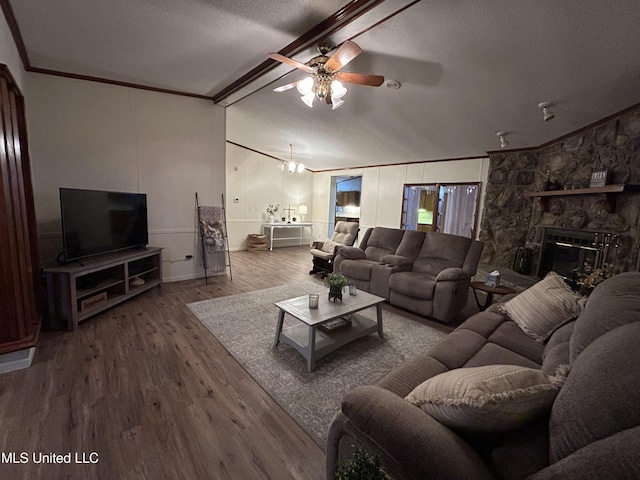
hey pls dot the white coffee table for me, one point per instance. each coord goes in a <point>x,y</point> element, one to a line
<point>313,343</point>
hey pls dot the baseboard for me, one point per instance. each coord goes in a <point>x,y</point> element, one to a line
<point>16,360</point>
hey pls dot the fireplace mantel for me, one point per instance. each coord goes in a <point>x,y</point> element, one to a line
<point>610,192</point>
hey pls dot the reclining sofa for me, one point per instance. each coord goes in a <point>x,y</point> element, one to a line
<point>590,428</point>
<point>426,273</point>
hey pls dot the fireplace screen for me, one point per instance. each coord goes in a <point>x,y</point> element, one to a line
<point>568,252</point>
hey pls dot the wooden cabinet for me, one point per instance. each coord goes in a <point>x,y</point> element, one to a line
<point>79,291</point>
<point>19,281</point>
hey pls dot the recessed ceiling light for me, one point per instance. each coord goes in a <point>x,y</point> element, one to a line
<point>394,84</point>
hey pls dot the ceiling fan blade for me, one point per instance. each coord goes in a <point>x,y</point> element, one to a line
<point>345,53</point>
<point>290,61</point>
<point>283,88</point>
<point>361,79</point>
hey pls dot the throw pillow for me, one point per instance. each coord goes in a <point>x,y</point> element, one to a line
<point>493,398</point>
<point>328,246</point>
<point>544,307</point>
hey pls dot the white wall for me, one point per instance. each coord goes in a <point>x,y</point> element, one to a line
<point>9,55</point>
<point>256,181</point>
<point>106,137</point>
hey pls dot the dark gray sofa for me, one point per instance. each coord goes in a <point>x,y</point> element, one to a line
<point>592,430</point>
<point>426,273</point>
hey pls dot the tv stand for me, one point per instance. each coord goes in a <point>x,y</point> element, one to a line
<point>77,292</point>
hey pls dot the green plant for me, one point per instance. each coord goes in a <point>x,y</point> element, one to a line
<point>271,209</point>
<point>336,279</point>
<point>363,466</point>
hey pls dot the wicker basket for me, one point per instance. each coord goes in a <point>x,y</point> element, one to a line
<point>257,243</point>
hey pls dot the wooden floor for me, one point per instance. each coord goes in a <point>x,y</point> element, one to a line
<point>146,392</point>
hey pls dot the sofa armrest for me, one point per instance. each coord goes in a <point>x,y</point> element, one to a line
<point>410,439</point>
<point>395,260</point>
<point>452,275</point>
<point>611,457</point>
<point>352,253</point>
<point>317,244</point>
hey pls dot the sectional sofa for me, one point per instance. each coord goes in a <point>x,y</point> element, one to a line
<point>524,390</point>
<point>426,273</point>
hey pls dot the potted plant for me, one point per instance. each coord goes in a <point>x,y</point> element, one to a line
<point>363,466</point>
<point>335,282</point>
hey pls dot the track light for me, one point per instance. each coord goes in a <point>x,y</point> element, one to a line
<point>503,141</point>
<point>547,114</point>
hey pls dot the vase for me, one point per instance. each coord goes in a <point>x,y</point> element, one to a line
<point>272,219</point>
<point>335,293</point>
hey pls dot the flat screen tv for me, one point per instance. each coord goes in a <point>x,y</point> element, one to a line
<point>95,222</point>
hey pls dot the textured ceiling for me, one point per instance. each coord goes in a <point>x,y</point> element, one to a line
<point>468,68</point>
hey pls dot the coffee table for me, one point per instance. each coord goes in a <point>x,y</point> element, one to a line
<point>312,342</point>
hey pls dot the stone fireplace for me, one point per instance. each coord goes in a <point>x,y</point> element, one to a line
<point>513,222</point>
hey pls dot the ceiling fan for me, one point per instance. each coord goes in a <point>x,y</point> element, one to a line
<point>325,77</point>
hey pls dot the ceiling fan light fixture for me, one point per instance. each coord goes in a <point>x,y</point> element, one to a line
<point>336,102</point>
<point>337,90</point>
<point>324,73</point>
<point>305,86</point>
<point>308,99</point>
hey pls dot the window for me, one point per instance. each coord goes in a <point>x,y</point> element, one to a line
<point>447,208</point>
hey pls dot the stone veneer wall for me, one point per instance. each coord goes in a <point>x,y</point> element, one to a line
<point>510,220</point>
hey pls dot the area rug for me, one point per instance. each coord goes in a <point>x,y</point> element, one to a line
<point>245,325</point>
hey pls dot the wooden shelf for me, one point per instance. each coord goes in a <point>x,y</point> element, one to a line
<point>610,191</point>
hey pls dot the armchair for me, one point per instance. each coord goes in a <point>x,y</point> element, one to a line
<point>324,253</point>
<point>438,283</point>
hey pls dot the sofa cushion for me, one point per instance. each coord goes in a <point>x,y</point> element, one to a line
<point>612,303</point>
<point>561,335</point>
<point>440,251</point>
<point>544,307</point>
<point>416,285</point>
<point>329,246</point>
<point>358,269</point>
<point>601,395</point>
<point>411,243</point>
<point>492,398</point>
<point>383,241</point>
<point>321,254</point>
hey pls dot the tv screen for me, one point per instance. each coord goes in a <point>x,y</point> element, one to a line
<point>96,222</point>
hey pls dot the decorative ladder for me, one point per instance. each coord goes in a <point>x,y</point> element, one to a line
<point>212,224</point>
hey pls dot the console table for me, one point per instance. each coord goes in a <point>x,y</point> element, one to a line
<point>294,231</point>
<point>78,291</point>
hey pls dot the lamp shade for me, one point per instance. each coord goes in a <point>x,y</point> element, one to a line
<point>302,209</point>
<point>305,85</point>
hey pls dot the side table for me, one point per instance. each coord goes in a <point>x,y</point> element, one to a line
<point>501,290</point>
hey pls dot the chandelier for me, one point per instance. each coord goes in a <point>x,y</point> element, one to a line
<point>290,165</point>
